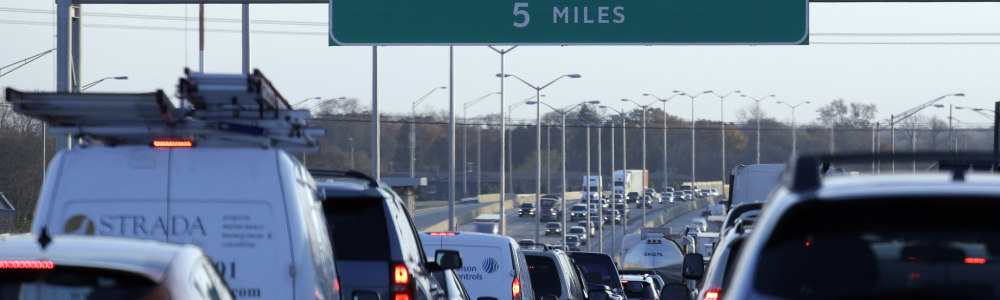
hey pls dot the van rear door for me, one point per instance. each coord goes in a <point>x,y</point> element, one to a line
<point>230,202</point>
<point>106,191</point>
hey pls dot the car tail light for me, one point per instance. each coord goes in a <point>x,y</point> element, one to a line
<point>27,264</point>
<point>712,294</point>
<point>402,282</point>
<point>975,260</point>
<point>172,144</point>
<point>515,288</point>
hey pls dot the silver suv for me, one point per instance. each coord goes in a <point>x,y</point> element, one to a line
<point>380,247</point>
<point>912,235</point>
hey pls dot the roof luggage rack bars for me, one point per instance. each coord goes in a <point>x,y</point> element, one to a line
<point>804,172</point>
<point>227,109</point>
<point>326,173</point>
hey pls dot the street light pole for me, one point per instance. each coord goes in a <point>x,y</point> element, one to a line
<point>562,114</point>
<point>413,132</point>
<point>757,113</point>
<point>645,172</point>
<point>351,141</point>
<point>538,146</point>
<point>503,132</point>
<point>666,181</point>
<point>465,142</point>
<point>722,120</point>
<point>793,120</point>
<point>89,85</point>
<point>692,130</point>
<point>909,113</point>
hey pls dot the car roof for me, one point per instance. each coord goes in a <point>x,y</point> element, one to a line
<point>146,257</point>
<point>929,184</point>
<point>346,188</point>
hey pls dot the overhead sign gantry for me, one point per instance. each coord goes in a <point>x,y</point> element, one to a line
<point>555,22</point>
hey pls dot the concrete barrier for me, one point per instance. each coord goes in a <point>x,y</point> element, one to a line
<point>676,211</point>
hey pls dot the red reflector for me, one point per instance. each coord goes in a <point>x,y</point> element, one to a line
<point>336,284</point>
<point>27,264</point>
<point>401,274</point>
<point>808,243</point>
<point>975,260</point>
<point>172,144</point>
<point>443,233</point>
<point>712,295</point>
<point>912,258</point>
<point>515,287</point>
<point>914,275</point>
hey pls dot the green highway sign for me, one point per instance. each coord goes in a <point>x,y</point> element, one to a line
<point>569,22</point>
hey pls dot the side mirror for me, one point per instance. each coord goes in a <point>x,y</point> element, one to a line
<point>694,266</point>
<point>448,259</point>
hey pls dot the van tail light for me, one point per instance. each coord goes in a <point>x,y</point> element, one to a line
<point>975,260</point>
<point>515,288</point>
<point>27,264</point>
<point>172,144</point>
<point>402,282</point>
<point>712,294</point>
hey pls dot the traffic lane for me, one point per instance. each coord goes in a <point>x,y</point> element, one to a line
<point>430,216</point>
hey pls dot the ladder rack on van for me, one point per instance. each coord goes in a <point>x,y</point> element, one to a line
<point>226,109</point>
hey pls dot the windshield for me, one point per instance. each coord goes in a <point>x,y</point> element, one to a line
<point>552,225</point>
<point>548,202</point>
<point>527,205</point>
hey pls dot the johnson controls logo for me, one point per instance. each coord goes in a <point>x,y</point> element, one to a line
<point>79,224</point>
<point>490,265</point>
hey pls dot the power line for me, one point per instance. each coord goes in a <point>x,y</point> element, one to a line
<point>163,28</point>
<point>168,18</point>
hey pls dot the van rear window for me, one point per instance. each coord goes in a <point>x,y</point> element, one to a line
<point>357,228</point>
<point>544,276</point>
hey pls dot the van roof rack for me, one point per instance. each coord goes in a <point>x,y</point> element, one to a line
<point>225,109</point>
<point>327,173</point>
<point>805,172</point>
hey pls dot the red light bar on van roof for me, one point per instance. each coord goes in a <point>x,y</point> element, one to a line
<point>975,260</point>
<point>27,264</point>
<point>443,233</point>
<point>172,144</point>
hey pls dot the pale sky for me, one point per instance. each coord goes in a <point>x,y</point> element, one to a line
<point>958,47</point>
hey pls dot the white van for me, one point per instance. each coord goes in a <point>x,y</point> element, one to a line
<point>492,265</point>
<point>252,207</point>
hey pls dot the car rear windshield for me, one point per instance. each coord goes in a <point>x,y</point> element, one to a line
<point>544,276</point>
<point>548,202</point>
<point>920,247</point>
<point>76,283</point>
<point>597,268</point>
<point>358,228</point>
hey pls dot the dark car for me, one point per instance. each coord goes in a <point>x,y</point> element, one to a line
<point>550,209</point>
<point>623,209</point>
<point>645,199</point>
<point>353,201</point>
<point>553,228</point>
<point>554,274</point>
<point>598,268</point>
<point>612,216</point>
<point>527,209</point>
<point>633,197</point>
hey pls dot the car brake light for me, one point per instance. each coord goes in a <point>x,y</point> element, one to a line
<point>27,264</point>
<point>443,234</point>
<point>515,288</point>
<point>401,274</point>
<point>172,144</point>
<point>975,260</point>
<point>712,294</point>
<point>402,285</point>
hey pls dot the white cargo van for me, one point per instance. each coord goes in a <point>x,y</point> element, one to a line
<point>492,265</point>
<point>210,176</point>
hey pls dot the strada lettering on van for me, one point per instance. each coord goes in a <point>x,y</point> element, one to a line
<point>136,225</point>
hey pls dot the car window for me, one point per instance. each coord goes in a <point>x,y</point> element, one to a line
<point>544,276</point>
<point>77,283</point>
<point>410,245</point>
<point>358,221</point>
<point>892,248</point>
<point>598,269</point>
<point>206,281</point>
<point>548,202</point>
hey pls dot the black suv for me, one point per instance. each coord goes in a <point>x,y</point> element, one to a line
<point>527,209</point>
<point>380,246</point>
<point>633,197</point>
<point>598,268</point>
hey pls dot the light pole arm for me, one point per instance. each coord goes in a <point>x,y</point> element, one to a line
<point>522,80</point>
<point>909,113</point>
<point>415,103</point>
